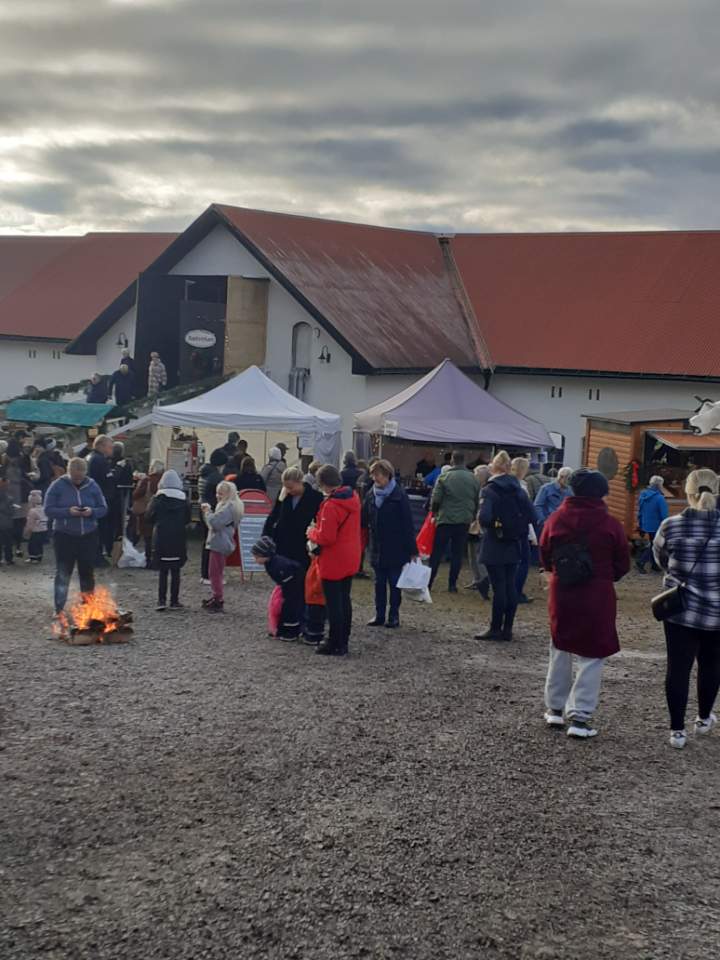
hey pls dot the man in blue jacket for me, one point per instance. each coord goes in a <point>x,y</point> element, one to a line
<point>74,503</point>
<point>652,510</point>
<point>551,495</point>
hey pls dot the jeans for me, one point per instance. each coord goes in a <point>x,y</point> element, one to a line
<point>479,570</point>
<point>454,534</point>
<point>646,555</point>
<point>503,577</point>
<point>69,551</point>
<point>579,700</point>
<point>171,567</point>
<point>387,577</point>
<point>338,604</point>
<point>217,573</point>
<point>524,567</point>
<point>685,645</point>
<point>6,545</point>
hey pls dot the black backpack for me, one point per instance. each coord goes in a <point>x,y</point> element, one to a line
<point>511,515</point>
<point>572,563</point>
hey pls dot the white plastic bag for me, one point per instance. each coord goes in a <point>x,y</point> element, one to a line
<point>420,596</point>
<point>414,576</point>
<point>131,556</point>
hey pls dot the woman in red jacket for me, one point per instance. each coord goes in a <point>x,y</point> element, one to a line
<point>581,542</point>
<point>336,532</point>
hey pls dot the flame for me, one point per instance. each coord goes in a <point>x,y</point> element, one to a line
<point>98,606</point>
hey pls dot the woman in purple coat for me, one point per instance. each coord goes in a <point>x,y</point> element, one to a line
<point>585,551</point>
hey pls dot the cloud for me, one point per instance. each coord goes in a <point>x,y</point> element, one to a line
<point>504,115</point>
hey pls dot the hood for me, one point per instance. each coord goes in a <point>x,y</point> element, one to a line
<point>345,498</point>
<point>171,485</point>
<point>67,480</point>
<point>173,504</point>
<point>649,494</point>
<point>505,482</point>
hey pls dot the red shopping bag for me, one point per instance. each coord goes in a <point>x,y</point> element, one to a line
<point>426,538</point>
<point>313,585</point>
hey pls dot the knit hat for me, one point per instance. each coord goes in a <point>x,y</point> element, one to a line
<point>275,454</point>
<point>589,483</point>
<point>265,547</point>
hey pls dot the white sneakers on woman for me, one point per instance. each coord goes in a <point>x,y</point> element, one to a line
<point>678,738</point>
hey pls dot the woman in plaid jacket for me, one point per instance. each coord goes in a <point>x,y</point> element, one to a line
<point>687,548</point>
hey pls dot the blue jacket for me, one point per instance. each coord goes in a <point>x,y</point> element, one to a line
<point>549,498</point>
<point>652,510</point>
<point>63,494</point>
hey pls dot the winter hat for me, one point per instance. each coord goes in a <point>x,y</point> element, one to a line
<point>171,485</point>
<point>589,483</point>
<point>265,547</point>
<point>275,453</point>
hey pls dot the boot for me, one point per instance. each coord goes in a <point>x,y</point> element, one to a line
<point>507,628</point>
<point>376,621</point>
<point>326,648</point>
<point>483,588</point>
<point>393,623</point>
<point>492,634</point>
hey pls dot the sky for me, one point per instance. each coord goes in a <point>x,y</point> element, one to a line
<point>464,115</point>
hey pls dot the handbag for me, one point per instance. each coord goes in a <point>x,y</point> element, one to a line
<point>672,601</point>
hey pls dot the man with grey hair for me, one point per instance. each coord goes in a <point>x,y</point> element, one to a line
<point>551,495</point>
<point>652,510</point>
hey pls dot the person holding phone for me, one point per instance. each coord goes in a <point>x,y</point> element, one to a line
<point>74,503</point>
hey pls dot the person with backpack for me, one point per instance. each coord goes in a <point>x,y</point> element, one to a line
<point>584,551</point>
<point>454,504</point>
<point>505,515</point>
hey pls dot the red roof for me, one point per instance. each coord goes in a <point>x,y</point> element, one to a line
<point>387,292</point>
<point>643,303</point>
<point>53,287</point>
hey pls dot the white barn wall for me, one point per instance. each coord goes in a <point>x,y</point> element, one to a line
<point>107,358</point>
<point>18,369</point>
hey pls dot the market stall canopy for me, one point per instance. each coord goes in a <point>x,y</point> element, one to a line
<point>447,407</point>
<point>57,414</point>
<point>686,440</point>
<point>252,401</point>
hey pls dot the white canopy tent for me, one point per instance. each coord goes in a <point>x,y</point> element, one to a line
<point>251,402</point>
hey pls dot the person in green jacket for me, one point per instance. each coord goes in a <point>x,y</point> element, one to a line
<point>454,505</point>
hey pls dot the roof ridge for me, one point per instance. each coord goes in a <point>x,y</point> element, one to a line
<point>303,216</point>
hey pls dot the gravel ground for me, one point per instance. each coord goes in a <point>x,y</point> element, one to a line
<point>205,792</point>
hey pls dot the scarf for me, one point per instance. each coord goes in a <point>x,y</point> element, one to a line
<point>382,493</point>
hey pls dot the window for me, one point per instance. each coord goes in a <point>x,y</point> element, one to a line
<point>597,394</point>
<point>556,391</point>
<point>57,354</point>
<point>301,352</point>
<point>32,353</point>
<point>590,394</point>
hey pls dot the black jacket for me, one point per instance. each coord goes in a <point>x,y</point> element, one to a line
<point>493,550</point>
<point>210,477</point>
<point>249,481</point>
<point>100,469</point>
<point>97,392</point>
<point>287,526</point>
<point>124,387</point>
<point>169,518</point>
<point>392,532</point>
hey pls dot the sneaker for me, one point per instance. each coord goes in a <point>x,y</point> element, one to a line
<point>704,727</point>
<point>177,606</point>
<point>204,581</point>
<point>554,718</point>
<point>160,607</point>
<point>582,729</point>
<point>525,599</point>
<point>489,635</point>
<point>678,739</point>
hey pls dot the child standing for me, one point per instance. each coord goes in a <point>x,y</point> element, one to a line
<point>222,522</point>
<point>289,575</point>
<point>168,513</point>
<point>36,526</point>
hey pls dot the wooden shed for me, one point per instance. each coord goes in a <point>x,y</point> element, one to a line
<point>631,446</point>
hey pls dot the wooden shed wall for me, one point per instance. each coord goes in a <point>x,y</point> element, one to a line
<point>621,502</point>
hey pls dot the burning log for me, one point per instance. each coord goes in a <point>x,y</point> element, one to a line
<point>94,618</point>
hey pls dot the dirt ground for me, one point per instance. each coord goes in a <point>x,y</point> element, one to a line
<point>205,792</point>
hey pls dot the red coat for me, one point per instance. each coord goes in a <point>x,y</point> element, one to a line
<point>337,532</point>
<point>582,618</point>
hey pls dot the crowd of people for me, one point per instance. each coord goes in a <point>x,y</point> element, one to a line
<point>323,521</point>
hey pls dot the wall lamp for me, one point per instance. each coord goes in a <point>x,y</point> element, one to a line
<point>122,340</point>
<point>324,355</point>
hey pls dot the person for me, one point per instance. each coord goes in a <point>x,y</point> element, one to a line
<point>272,473</point>
<point>36,526</point>
<point>351,474</point>
<point>74,503</point>
<point>6,522</point>
<point>387,517</point>
<point>210,476</point>
<point>505,513</point>
<point>652,510</point>
<point>480,580</point>
<point>289,575</point>
<point>230,447</point>
<point>581,532</point>
<point>434,475</point>
<point>50,465</point>
<point>248,478</point>
<point>123,483</point>
<point>145,489</point>
<point>128,361</point>
<point>519,469</point>
<point>454,504</point>
<point>96,391</point>
<point>535,480</point>
<point>552,494</point>
<point>687,548</point>
<point>311,475</point>
<point>295,509</point>
<point>168,514</point>
<point>122,383</point>
<point>337,532</point>
<point>157,375</point>
<point>222,524</point>
<point>425,465</point>
<point>18,467</point>
<point>283,448</point>
<point>100,469</point>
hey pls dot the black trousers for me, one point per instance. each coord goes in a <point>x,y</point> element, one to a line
<point>6,545</point>
<point>685,645</point>
<point>338,605</point>
<point>455,535</point>
<point>68,552</point>
<point>171,568</point>
<point>36,542</point>
<point>503,579</point>
<point>387,577</point>
<point>17,532</point>
<point>105,538</point>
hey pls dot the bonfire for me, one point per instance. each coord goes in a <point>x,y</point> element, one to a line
<point>93,618</point>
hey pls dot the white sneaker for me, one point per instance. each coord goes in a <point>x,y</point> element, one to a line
<point>582,729</point>
<point>204,582</point>
<point>705,726</point>
<point>554,718</point>
<point>678,739</point>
